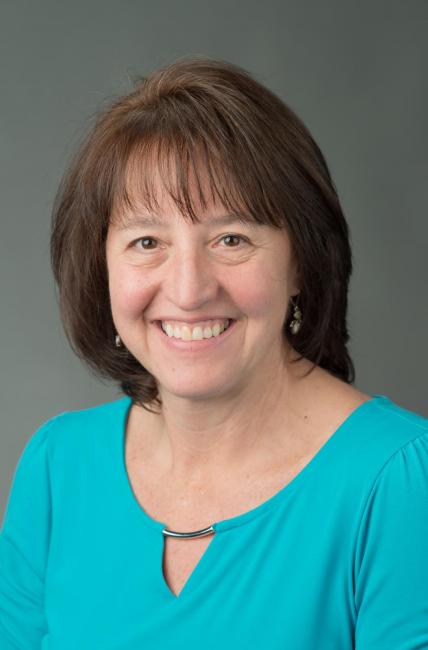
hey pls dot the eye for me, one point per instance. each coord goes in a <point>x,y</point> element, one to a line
<point>230,236</point>
<point>142,239</point>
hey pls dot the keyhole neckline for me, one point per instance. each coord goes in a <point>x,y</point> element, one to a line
<point>317,459</point>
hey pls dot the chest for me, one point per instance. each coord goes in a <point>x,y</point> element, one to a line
<point>191,510</point>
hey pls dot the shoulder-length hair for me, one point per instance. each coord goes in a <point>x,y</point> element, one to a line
<point>258,154</point>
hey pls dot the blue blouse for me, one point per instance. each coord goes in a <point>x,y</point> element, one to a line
<point>336,560</point>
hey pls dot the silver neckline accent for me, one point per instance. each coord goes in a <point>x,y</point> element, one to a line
<point>196,533</point>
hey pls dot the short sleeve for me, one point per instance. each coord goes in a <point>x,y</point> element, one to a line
<point>391,569</point>
<point>24,542</point>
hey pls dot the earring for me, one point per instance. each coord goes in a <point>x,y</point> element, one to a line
<point>297,318</point>
<point>118,342</point>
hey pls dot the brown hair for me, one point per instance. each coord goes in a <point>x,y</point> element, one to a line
<point>258,154</point>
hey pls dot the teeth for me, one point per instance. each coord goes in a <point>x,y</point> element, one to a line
<point>187,333</point>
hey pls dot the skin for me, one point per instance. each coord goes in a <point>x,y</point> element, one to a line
<point>242,405</point>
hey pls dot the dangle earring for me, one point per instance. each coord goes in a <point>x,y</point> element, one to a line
<point>118,342</point>
<point>297,318</point>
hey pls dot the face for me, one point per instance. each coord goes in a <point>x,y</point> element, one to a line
<point>183,271</point>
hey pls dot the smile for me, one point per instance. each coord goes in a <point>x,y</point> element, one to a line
<point>215,340</point>
<point>196,332</point>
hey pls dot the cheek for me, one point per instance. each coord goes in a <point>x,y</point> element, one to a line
<point>128,293</point>
<point>262,292</point>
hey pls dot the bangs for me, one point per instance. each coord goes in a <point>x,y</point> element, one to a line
<point>192,174</point>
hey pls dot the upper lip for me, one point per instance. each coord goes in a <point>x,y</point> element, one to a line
<point>193,320</point>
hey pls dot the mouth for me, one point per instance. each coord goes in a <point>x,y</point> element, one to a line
<point>196,345</point>
<point>231,321</point>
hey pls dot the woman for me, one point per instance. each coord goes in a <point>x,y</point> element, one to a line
<point>241,492</point>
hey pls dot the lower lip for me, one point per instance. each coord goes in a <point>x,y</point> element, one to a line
<point>198,345</point>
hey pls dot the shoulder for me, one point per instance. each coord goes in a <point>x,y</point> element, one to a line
<point>387,455</point>
<point>94,414</point>
<point>77,428</point>
<point>68,446</point>
<point>404,434</point>
<point>389,427</point>
<point>398,490</point>
<point>376,424</point>
<point>370,431</point>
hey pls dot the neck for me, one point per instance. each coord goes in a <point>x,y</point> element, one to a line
<point>194,442</point>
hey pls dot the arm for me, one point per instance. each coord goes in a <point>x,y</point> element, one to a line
<point>391,568</point>
<point>24,543</point>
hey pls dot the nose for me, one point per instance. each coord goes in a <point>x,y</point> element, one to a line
<point>190,279</point>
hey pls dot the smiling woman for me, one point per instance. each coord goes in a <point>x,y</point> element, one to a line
<point>240,484</point>
<point>200,134</point>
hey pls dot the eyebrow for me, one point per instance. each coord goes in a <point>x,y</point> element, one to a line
<point>153,220</point>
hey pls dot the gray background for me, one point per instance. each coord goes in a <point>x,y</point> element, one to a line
<point>354,72</point>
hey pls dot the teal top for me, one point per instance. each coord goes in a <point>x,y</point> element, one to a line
<point>337,559</point>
